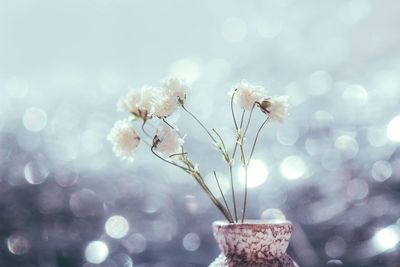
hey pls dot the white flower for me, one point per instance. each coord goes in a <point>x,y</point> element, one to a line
<point>124,139</point>
<point>175,88</point>
<point>148,95</point>
<point>278,108</point>
<point>129,102</point>
<point>164,107</point>
<point>167,141</point>
<point>138,102</point>
<point>246,94</point>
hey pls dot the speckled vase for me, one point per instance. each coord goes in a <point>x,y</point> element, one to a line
<point>255,243</point>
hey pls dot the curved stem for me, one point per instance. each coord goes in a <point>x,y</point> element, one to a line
<point>222,194</point>
<point>201,124</point>
<point>144,130</point>
<point>167,161</point>
<point>249,119</point>
<point>232,111</point>
<point>246,167</point>
<point>165,121</point>
<point>256,138</point>
<point>238,135</point>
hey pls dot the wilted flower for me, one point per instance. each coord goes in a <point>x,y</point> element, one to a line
<point>246,94</point>
<point>124,139</point>
<point>167,141</point>
<point>275,107</point>
<point>175,88</point>
<point>138,103</point>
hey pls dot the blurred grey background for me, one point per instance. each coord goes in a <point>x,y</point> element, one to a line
<point>333,168</point>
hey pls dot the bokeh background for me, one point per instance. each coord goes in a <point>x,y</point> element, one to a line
<point>333,167</point>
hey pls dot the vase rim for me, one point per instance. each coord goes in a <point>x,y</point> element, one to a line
<point>254,222</point>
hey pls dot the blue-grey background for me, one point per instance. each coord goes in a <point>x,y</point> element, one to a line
<point>333,167</point>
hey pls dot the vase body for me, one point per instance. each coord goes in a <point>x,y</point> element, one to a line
<point>253,244</point>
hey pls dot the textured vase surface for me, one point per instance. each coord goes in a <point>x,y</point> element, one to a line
<point>255,243</point>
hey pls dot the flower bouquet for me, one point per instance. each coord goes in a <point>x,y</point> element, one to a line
<point>150,105</point>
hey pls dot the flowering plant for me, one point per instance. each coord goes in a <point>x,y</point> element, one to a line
<point>166,143</point>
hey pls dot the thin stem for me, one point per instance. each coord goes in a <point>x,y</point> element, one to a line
<point>178,154</point>
<point>144,130</point>
<point>223,148</point>
<point>200,180</point>
<point>201,124</point>
<point>170,162</point>
<point>239,134</point>
<point>216,202</point>
<point>248,121</point>
<point>246,167</point>
<point>245,194</point>
<point>222,194</point>
<point>165,121</point>
<point>232,111</point>
<point>256,138</point>
<point>233,192</point>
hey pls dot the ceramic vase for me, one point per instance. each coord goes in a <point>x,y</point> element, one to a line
<point>254,243</point>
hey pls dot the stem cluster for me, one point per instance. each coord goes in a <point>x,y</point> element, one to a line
<point>181,161</point>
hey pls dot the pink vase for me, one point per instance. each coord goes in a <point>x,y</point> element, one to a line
<point>255,243</point>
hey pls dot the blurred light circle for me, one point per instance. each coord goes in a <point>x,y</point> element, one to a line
<point>293,167</point>
<point>34,119</point>
<point>234,29</point>
<point>323,119</point>
<point>317,145</point>
<point>257,174</point>
<point>152,204</point>
<point>96,252</point>
<point>84,203</point>
<point>335,247</point>
<point>66,177</point>
<point>333,263</point>
<point>381,170</point>
<point>117,227</point>
<point>135,243</point>
<point>123,260</point>
<point>393,129</point>
<point>377,136</point>
<point>287,134</point>
<point>319,82</point>
<point>357,189</point>
<point>191,242</point>
<point>386,238</point>
<point>347,145</point>
<point>35,172</point>
<point>187,69</point>
<point>355,95</point>
<point>18,244</point>
<point>273,214</point>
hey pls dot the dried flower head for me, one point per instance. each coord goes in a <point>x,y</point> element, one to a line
<point>164,106</point>
<point>138,102</point>
<point>167,141</point>
<point>175,88</point>
<point>246,94</point>
<point>275,107</point>
<point>124,139</point>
